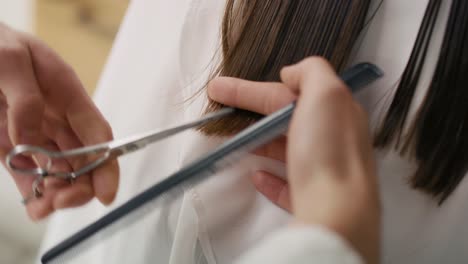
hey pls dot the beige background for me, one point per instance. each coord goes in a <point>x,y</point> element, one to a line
<point>81,31</point>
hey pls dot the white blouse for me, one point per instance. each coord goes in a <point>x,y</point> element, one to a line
<point>162,56</point>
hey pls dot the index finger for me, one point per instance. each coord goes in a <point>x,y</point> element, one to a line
<point>260,97</point>
<point>19,89</point>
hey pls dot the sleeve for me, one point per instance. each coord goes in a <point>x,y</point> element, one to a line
<point>301,245</point>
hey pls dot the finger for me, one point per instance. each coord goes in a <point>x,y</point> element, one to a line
<point>58,165</point>
<point>274,188</point>
<point>76,194</point>
<point>37,209</point>
<point>275,150</point>
<point>64,139</point>
<point>311,75</point>
<point>22,94</point>
<point>41,207</point>
<point>23,182</point>
<point>105,179</point>
<point>56,183</point>
<point>58,82</point>
<point>67,96</point>
<point>263,98</point>
<point>81,190</point>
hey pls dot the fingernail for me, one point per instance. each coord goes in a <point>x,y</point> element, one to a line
<point>219,88</point>
<point>106,186</point>
<point>107,194</point>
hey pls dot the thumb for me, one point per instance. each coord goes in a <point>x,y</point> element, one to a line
<point>313,68</point>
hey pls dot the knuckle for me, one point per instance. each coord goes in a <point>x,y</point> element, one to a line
<point>275,99</point>
<point>335,93</point>
<point>48,61</point>
<point>33,102</point>
<point>280,99</point>
<point>11,45</point>
<point>315,61</point>
<point>13,50</point>
<point>269,103</point>
<point>235,94</point>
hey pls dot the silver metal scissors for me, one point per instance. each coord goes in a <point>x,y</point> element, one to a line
<point>104,151</point>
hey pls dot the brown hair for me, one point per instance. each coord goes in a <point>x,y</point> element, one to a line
<point>262,36</point>
<point>438,137</point>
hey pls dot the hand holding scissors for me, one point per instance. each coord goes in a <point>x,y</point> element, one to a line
<point>42,102</point>
<point>103,153</point>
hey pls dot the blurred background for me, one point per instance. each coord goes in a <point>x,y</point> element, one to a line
<point>82,32</point>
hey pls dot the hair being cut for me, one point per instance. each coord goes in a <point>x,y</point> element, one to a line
<point>260,37</point>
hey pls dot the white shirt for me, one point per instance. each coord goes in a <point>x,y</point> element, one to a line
<point>161,57</point>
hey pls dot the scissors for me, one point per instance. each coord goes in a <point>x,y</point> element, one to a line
<point>104,151</point>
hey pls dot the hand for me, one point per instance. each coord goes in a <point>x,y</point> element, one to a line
<point>43,103</point>
<point>264,98</point>
<point>331,170</point>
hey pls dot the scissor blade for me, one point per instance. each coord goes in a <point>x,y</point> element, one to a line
<point>127,145</point>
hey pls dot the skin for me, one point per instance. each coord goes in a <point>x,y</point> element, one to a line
<point>323,163</point>
<point>42,102</point>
